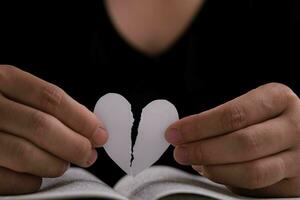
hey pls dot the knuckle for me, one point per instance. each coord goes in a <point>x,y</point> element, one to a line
<point>199,153</point>
<point>51,98</point>
<point>5,72</point>
<point>82,152</point>
<point>282,167</point>
<point>39,123</point>
<point>255,176</point>
<point>279,87</point>
<point>294,123</point>
<point>21,152</point>
<point>248,143</point>
<point>234,117</point>
<point>7,68</point>
<point>280,95</point>
<point>194,153</point>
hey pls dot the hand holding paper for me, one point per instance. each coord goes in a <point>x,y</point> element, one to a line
<point>37,118</point>
<point>251,144</point>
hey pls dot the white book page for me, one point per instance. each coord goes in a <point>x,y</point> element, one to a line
<point>161,182</point>
<point>75,183</point>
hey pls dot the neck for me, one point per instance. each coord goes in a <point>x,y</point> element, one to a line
<point>152,25</point>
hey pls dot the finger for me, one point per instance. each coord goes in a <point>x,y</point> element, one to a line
<point>286,188</point>
<point>256,106</point>
<point>18,183</point>
<point>21,156</point>
<point>255,174</point>
<point>30,90</point>
<point>253,142</point>
<point>46,132</point>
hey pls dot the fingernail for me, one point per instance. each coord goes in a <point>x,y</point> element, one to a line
<point>173,136</point>
<point>199,169</point>
<point>99,137</point>
<point>93,157</point>
<point>181,155</point>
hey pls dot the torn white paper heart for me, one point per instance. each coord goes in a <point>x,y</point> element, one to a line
<point>115,112</point>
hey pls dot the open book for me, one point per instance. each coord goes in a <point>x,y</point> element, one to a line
<point>157,182</point>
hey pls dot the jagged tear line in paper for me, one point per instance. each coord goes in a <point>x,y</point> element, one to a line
<point>132,143</point>
<point>134,130</point>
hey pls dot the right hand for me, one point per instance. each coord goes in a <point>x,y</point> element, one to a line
<point>42,131</point>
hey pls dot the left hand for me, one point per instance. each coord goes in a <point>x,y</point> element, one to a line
<point>251,144</point>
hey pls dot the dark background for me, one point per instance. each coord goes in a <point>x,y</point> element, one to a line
<point>231,47</point>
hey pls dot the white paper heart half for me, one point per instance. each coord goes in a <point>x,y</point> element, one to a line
<point>115,112</point>
<point>150,142</point>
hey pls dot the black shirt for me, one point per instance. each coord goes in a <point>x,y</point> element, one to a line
<point>231,47</point>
